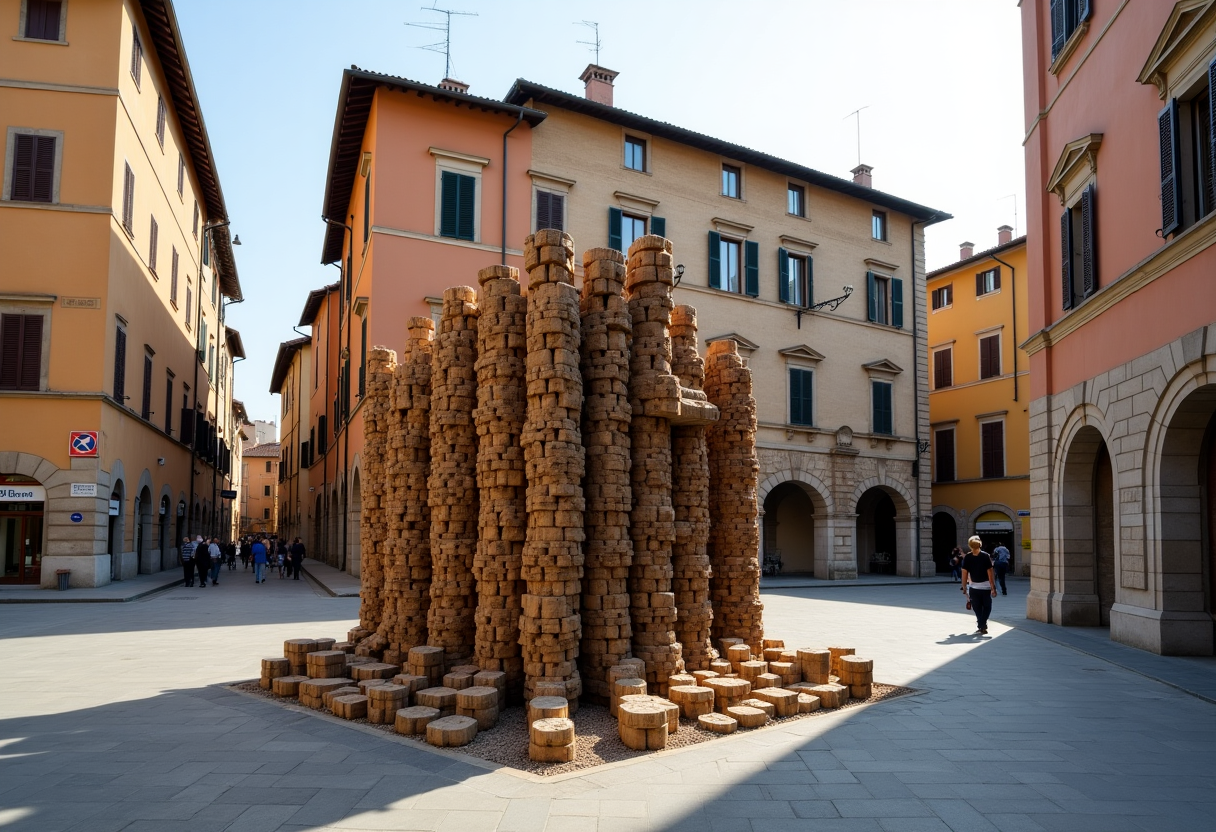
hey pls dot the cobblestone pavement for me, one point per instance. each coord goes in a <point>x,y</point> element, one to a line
<point>113,717</point>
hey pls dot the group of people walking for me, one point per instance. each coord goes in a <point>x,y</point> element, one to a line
<point>205,558</point>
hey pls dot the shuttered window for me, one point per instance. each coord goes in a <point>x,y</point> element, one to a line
<point>42,19</point>
<point>33,174</point>
<point>195,221</point>
<point>161,113</point>
<point>457,205</point>
<point>751,269</point>
<point>884,300</point>
<point>943,455</point>
<point>801,396</point>
<point>169,404</point>
<point>120,365</point>
<point>882,416</point>
<point>145,404</point>
<point>943,368</point>
<point>128,200</point>
<point>988,281</point>
<point>181,174</point>
<point>137,59</point>
<point>1066,16</point>
<point>173,278</point>
<point>153,241</point>
<point>189,303</point>
<point>990,356</point>
<point>992,449</point>
<point>550,210</point>
<point>943,296</point>
<point>1089,263</point>
<point>20,352</point>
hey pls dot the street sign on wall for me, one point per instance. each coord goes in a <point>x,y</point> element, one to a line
<point>82,443</point>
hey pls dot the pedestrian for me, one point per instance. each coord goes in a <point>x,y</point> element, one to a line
<point>230,553</point>
<point>202,559</point>
<point>281,557</point>
<point>217,560</point>
<point>956,564</point>
<point>187,556</point>
<point>297,557</point>
<point>978,583</point>
<point>1002,565</point>
<point>246,552</point>
<point>258,550</point>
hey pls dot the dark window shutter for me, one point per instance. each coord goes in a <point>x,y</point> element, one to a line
<point>187,436</point>
<point>448,204</point>
<point>557,211</point>
<point>23,167</point>
<point>128,199</point>
<point>468,193</point>
<point>871,297</point>
<point>658,226</point>
<point>189,301</point>
<point>160,120</point>
<point>1059,26</point>
<point>145,409</point>
<point>1089,265</point>
<point>881,391</point>
<point>1066,257</point>
<point>795,397</point>
<point>996,278</point>
<point>809,298</point>
<point>783,272</point>
<point>1171,186</point>
<point>944,452</point>
<point>169,405</point>
<point>363,360</point>
<point>615,216</point>
<point>181,173</point>
<point>979,284</point>
<point>897,303</point>
<point>751,286</point>
<point>367,207</point>
<point>44,169</point>
<point>544,213</point>
<point>120,365</point>
<point>153,239</point>
<point>20,352</point>
<point>943,375</point>
<point>173,278</point>
<point>137,63</point>
<point>993,452</point>
<point>1084,9</point>
<point>1210,150</point>
<point>715,260</point>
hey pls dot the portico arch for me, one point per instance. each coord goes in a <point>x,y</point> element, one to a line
<point>885,525</point>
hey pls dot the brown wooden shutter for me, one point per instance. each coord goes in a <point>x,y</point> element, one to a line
<point>10,351</point>
<point>942,369</point>
<point>120,365</point>
<point>542,210</point>
<point>943,449</point>
<point>145,409</point>
<point>173,278</point>
<point>31,352</point>
<point>128,199</point>
<point>137,63</point>
<point>1089,265</point>
<point>153,239</point>
<point>169,405</point>
<point>23,167</point>
<point>44,169</point>
<point>20,352</point>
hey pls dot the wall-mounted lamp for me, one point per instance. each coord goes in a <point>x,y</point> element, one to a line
<point>160,460</point>
<point>345,353</point>
<point>236,241</point>
<point>679,273</point>
<point>831,305</point>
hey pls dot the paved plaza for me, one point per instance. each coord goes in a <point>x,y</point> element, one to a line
<point>114,717</point>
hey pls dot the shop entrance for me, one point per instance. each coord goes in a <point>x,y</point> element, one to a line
<point>21,542</point>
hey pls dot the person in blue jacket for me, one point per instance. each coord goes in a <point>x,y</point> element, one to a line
<point>259,562</point>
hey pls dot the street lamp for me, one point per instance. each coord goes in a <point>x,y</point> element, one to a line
<point>831,305</point>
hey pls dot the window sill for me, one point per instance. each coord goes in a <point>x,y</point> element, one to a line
<point>40,40</point>
<point>988,294</point>
<point>635,170</point>
<point>802,217</point>
<point>942,308</point>
<point>884,242</point>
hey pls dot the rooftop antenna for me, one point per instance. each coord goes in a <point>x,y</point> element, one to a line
<point>594,44</point>
<point>1015,211</point>
<point>857,113</point>
<point>444,47</point>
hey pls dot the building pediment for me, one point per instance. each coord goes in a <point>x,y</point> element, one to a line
<point>1078,163</point>
<point>1187,33</point>
<point>801,351</point>
<point>883,367</point>
<point>745,345</point>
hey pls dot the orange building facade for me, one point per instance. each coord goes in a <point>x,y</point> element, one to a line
<point>1120,169</point>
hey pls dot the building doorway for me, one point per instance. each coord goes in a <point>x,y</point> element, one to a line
<point>995,529</point>
<point>876,534</point>
<point>21,542</point>
<point>945,538</point>
<point>789,529</point>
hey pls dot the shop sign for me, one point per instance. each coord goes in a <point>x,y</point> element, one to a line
<point>993,526</point>
<point>1022,512</point>
<point>228,494</point>
<point>84,489</point>
<point>83,443</point>
<point>21,493</point>
<point>80,303</point>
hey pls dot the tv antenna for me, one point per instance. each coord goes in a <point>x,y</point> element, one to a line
<point>444,47</point>
<point>1015,210</point>
<point>857,113</point>
<point>594,44</point>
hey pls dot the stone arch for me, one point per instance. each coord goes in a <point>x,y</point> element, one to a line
<point>1011,541</point>
<point>816,489</point>
<point>894,487</point>
<point>166,511</point>
<point>335,537</point>
<point>142,533</point>
<point>884,520</point>
<point>353,518</point>
<point>116,527</point>
<point>945,537</point>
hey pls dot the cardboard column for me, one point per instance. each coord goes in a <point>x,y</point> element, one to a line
<point>373,536</point>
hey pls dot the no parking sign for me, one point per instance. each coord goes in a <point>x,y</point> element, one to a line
<point>82,443</point>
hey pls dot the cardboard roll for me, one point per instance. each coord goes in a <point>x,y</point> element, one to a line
<point>325,643</point>
<point>299,646</point>
<point>411,682</point>
<point>477,698</point>
<point>702,675</point>
<point>671,709</point>
<point>287,685</point>
<point>643,739</point>
<point>836,653</point>
<point>807,703</point>
<point>747,717</point>
<point>830,696</point>
<point>548,707</point>
<point>275,667</point>
<point>728,689</point>
<point>443,698</point>
<point>767,707</point>
<point>681,679</point>
<point>426,656</point>
<point>718,723</point>
<point>383,695</point>
<point>364,684</point>
<point>486,718</point>
<point>788,671</point>
<point>317,688</point>
<point>773,654</point>
<point>451,731</point>
<point>328,696</point>
<point>551,731</point>
<point>750,670</point>
<point>349,706</point>
<point>458,680</point>
<point>721,667</point>
<point>551,753</point>
<point>862,691</point>
<point>785,701</point>
<point>627,669</point>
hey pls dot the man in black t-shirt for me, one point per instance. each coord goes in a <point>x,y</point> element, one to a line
<point>978,583</point>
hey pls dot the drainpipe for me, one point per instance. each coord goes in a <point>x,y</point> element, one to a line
<point>1013,281</point>
<point>518,119</point>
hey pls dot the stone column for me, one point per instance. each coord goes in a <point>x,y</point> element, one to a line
<point>407,585</point>
<point>654,395</point>
<point>734,542</point>
<point>373,537</point>
<point>551,628</point>
<point>501,482</point>
<point>690,499</point>
<point>452,487</point>
<point>607,331</point>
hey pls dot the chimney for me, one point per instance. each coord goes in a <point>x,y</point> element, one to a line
<point>452,85</point>
<point>965,250</point>
<point>599,83</point>
<point>862,175</point>
<point>1004,234</point>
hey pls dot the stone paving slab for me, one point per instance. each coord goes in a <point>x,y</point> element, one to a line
<point>1013,732</point>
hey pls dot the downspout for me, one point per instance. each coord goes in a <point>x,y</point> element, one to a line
<point>519,119</point>
<point>1013,280</point>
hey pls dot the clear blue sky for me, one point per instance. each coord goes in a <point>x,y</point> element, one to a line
<point>941,81</point>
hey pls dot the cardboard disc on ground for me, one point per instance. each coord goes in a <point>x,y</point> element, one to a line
<point>718,723</point>
<point>414,720</point>
<point>747,717</point>
<point>451,731</point>
<point>552,732</point>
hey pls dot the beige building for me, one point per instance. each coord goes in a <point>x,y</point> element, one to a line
<point>116,370</point>
<point>290,380</point>
<point>820,281</point>
<point>260,494</point>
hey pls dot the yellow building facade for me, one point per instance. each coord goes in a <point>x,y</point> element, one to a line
<point>116,375</point>
<point>978,401</point>
<point>260,491</point>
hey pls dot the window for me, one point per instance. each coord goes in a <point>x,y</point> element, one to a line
<point>43,20</point>
<point>631,228</point>
<point>206,252</point>
<point>624,228</point>
<point>1078,264</point>
<point>457,212</point>
<point>943,297</point>
<point>881,415</point>
<point>550,210</point>
<point>1188,168</point>
<point>195,223</point>
<point>795,200</point>
<point>635,153</point>
<point>33,175</point>
<point>1066,17</point>
<point>801,390</point>
<point>795,274</point>
<point>189,300</point>
<point>120,364</point>
<point>128,200</point>
<point>145,401</point>
<point>943,368</point>
<point>990,356</point>
<point>992,449</point>
<point>878,225</point>
<point>160,120</point>
<point>885,300</point>
<point>169,402</point>
<point>21,352</point>
<point>181,180</point>
<point>987,282</point>
<point>268,471</point>
<point>137,58</point>
<point>153,239</point>
<point>731,177</point>
<point>943,455</point>
<point>173,279</point>
<point>266,513</point>
<point>266,488</point>
<point>734,265</point>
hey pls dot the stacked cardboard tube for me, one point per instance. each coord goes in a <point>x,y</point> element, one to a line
<point>373,538</point>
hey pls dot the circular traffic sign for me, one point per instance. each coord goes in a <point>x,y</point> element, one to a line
<point>77,517</point>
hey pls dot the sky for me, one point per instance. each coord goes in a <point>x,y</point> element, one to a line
<point>939,81</point>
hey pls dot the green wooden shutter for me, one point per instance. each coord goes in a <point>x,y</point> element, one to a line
<point>795,397</point>
<point>1059,27</point>
<point>658,226</point>
<point>468,202</point>
<point>1171,185</point>
<point>542,210</point>
<point>809,300</point>
<point>1066,257</point>
<point>897,303</point>
<point>614,228</point>
<point>882,407</point>
<point>1089,266</point>
<point>715,260</point>
<point>871,297</point>
<point>448,200</point>
<point>751,285</point>
<point>783,270</point>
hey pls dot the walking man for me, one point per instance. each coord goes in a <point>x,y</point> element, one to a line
<point>297,557</point>
<point>202,559</point>
<point>187,554</point>
<point>1002,565</point>
<point>217,560</point>
<point>259,562</point>
<point>978,583</point>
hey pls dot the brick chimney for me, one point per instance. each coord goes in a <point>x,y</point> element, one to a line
<point>1004,234</point>
<point>599,83</point>
<point>965,250</point>
<point>452,85</point>
<point>863,176</point>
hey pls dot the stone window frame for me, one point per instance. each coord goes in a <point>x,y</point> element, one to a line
<point>63,26</point>
<point>647,151</point>
<point>806,358</point>
<point>991,418</point>
<point>938,428</point>
<point>980,335</point>
<point>883,370</point>
<point>551,184</point>
<point>740,169</point>
<point>465,164</point>
<point>19,303</point>
<point>10,141</point>
<point>947,346</point>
